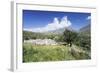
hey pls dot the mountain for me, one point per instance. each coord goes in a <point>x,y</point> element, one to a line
<point>86,30</point>
<point>60,31</point>
<point>57,31</point>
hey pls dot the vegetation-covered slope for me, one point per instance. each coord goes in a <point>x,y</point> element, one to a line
<point>73,46</point>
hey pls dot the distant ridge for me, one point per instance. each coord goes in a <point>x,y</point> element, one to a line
<point>86,28</point>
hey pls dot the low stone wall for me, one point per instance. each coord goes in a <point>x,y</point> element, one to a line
<point>41,41</point>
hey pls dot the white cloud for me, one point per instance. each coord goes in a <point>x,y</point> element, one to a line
<point>56,24</point>
<point>88,18</point>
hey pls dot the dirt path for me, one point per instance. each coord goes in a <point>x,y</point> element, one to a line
<point>77,49</point>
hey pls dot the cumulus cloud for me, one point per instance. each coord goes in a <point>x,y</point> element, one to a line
<point>56,24</point>
<point>88,18</point>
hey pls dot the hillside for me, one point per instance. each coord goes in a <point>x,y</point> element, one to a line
<point>86,29</point>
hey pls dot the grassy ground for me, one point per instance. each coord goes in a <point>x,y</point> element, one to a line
<point>38,53</point>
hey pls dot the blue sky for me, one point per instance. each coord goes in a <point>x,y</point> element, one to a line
<point>45,20</point>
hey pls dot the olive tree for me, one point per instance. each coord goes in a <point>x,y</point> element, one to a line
<point>69,36</point>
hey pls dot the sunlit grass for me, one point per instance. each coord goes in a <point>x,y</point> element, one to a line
<point>35,53</point>
<point>38,53</point>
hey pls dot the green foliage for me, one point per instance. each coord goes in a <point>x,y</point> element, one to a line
<point>38,53</point>
<point>32,35</point>
<point>60,52</point>
<point>80,39</point>
<point>58,38</point>
<point>84,41</point>
<point>79,53</point>
<point>69,36</point>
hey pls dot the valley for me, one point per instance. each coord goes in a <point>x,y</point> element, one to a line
<point>58,45</point>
